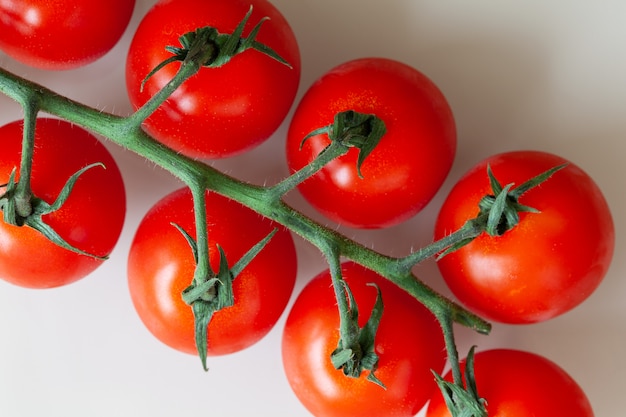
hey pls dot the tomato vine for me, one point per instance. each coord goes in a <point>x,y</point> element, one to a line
<point>198,176</point>
<point>498,212</point>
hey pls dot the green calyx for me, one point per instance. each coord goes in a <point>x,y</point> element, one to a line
<point>502,208</point>
<point>24,209</point>
<point>211,291</point>
<point>463,401</point>
<point>210,48</point>
<point>353,129</point>
<point>349,129</point>
<point>355,351</point>
<point>499,212</point>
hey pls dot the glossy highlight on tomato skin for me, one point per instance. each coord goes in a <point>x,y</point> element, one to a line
<point>90,221</point>
<point>62,34</point>
<point>409,344</point>
<point>161,266</point>
<point>219,112</point>
<point>521,384</point>
<point>409,164</point>
<point>545,266</point>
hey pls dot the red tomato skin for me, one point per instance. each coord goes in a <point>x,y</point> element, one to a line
<point>409,164</point>
<point>161,266</point>
<point>521,384</point>
<point>223,111</point>
<point>550,262</point>
<point>61,34</point>
<point>409,344</point>
<point>91,219</point>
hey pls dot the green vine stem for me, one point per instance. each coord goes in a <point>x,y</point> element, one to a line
<point>23,192</point>
<point>205,47</point>
<point>349,130</point>
<point>332,151</point>
<point>261,199</point>
<point>127,133</point>
<point>355,350</point>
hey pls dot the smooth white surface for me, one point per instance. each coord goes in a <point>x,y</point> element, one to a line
<point>533,74</point>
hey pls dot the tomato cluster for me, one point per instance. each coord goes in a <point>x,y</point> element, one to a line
<point>542,267</point>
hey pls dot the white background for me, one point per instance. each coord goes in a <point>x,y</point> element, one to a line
<point>546,75</point>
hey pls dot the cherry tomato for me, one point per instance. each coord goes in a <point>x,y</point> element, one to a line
<point>547,264</point>
<point>521,384</point>
<point>161,266</point>
<point>220,111</point>
<point>61,34</point>
<point>410,162</point>
<point>409,344</point>
<point>90,220</point>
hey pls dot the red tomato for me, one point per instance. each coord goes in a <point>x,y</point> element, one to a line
<point>521,384</point>
<point>409,344</point>
<point>220,111</point>
<point>61,34</point>
<point>161,266</point>
<point>546,265</point>
<point>91,219</point>
<point>409,164</point>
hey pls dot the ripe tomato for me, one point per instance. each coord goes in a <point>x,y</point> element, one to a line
<point>546,265</point>
<point>521,384</point>
<point>409,164</point>
<point>61,34</point>
<point>91,219</point>
<point>161,266</point>
<point>409,344</point>
<point>220,111</point>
